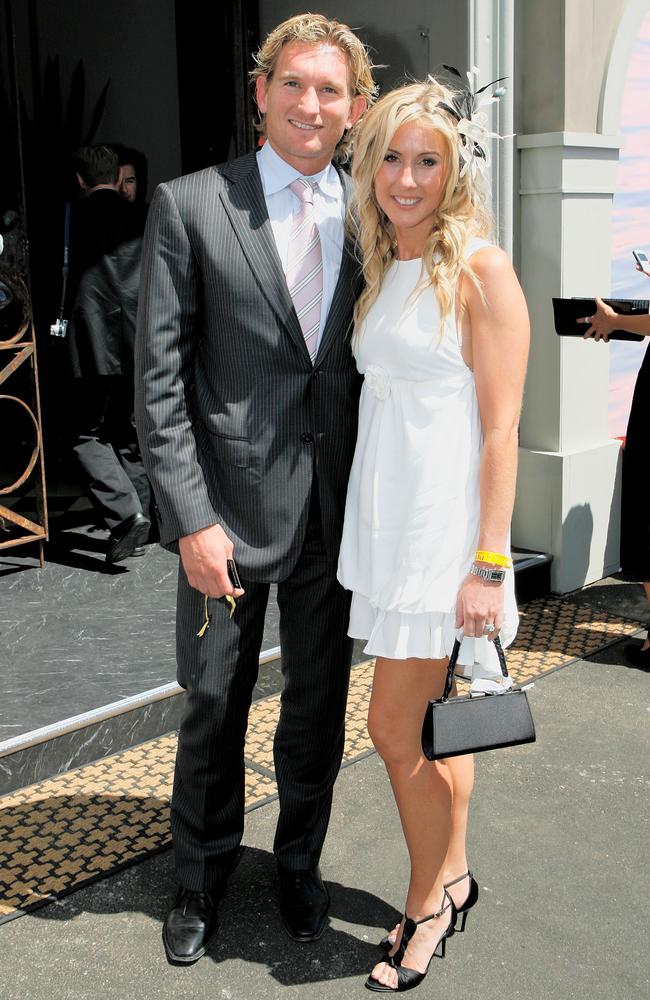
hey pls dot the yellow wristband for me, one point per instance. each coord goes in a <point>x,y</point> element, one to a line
<point>493,557</point>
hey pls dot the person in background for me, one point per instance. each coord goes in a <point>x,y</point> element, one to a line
<point>102,296</point>
<point>441,338</point>
<point>635,511</point>
<point>132,181</point>
<point>128,182</point>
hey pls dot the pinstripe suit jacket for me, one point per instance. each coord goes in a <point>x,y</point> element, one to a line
<point>231,414</point>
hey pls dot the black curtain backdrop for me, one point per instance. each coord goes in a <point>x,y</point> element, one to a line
<point>214,44</point>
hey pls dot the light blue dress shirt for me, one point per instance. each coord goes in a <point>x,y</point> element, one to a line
<point>329,212</point>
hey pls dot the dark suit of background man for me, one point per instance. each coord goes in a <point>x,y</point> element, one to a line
<point>105,251</point>
<point>248,443</point>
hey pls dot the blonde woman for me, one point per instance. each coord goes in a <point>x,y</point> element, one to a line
<point>442,339</point>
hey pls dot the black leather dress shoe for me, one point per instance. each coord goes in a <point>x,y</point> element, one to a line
<point>126,537</point>
<point>190,927</point>
<point>304,903</point>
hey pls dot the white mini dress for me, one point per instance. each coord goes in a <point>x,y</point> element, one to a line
<point>412,510</point>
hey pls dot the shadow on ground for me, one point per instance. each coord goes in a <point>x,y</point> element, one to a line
<point>250,929</point>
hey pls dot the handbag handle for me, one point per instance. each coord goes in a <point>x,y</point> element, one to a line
<point>452,665</point>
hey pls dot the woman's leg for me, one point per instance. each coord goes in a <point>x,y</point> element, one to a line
<point>459,774</point>
<point>422,790</point>
<point>461,778</point>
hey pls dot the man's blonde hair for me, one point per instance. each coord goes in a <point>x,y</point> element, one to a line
<point>319,30</point>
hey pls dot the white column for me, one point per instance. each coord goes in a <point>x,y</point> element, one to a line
<point>568,492</point>
<point>491,48</point>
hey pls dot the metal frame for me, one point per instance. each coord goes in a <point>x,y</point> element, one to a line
<point>18,350</point>
<point>20,347</point>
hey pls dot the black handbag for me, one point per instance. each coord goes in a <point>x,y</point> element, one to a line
<point>476,722</point>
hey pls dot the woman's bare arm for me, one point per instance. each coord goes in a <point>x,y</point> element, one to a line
<point>498,327</point>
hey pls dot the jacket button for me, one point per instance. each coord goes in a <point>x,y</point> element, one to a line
<point>306,438</point>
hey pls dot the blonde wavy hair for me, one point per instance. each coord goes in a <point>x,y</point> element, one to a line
<point>462,213</point>
<point>320,30</point>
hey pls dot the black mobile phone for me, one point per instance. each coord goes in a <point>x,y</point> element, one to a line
<point>233,574</point>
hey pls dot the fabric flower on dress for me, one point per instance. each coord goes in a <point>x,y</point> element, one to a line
<point>378,381</point>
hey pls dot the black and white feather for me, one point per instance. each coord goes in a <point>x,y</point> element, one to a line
<point>472,122</point>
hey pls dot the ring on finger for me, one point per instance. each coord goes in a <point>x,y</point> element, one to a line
<point>489,628</point>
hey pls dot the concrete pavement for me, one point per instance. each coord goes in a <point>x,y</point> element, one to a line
<point>559,835</point>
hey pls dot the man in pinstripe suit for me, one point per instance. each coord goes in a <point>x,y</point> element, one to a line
<point>247,424</point>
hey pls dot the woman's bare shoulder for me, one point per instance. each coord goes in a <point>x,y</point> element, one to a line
<point>490,262</point>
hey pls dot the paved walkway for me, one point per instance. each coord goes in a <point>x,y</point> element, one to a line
<point>558,842</point>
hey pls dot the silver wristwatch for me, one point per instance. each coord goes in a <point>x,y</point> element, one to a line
<point>491,575</point>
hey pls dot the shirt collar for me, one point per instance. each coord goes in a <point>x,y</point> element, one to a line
<point>277,174</point>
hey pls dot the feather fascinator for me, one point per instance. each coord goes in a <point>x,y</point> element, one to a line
<point>471,121</point>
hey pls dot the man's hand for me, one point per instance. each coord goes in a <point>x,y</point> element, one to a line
<point>204,554</point>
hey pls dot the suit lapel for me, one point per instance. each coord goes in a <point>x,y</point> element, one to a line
<point>245,206</point>
<point>340,312</point>
<point>339,320</point>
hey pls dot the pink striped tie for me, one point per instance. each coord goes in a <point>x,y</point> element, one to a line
<point>305,265</point>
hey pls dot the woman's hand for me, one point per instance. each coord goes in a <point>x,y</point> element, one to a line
<point>602,323</point>
<point>479,603</point>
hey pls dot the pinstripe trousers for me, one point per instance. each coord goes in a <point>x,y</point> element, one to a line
<point>219,672</point>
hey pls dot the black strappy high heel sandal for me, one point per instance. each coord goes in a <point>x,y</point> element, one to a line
<point>386,943</point>
<point>408,979</point>
<point>472,898</point>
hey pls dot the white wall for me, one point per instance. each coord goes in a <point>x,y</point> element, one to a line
<point>568,495</point>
